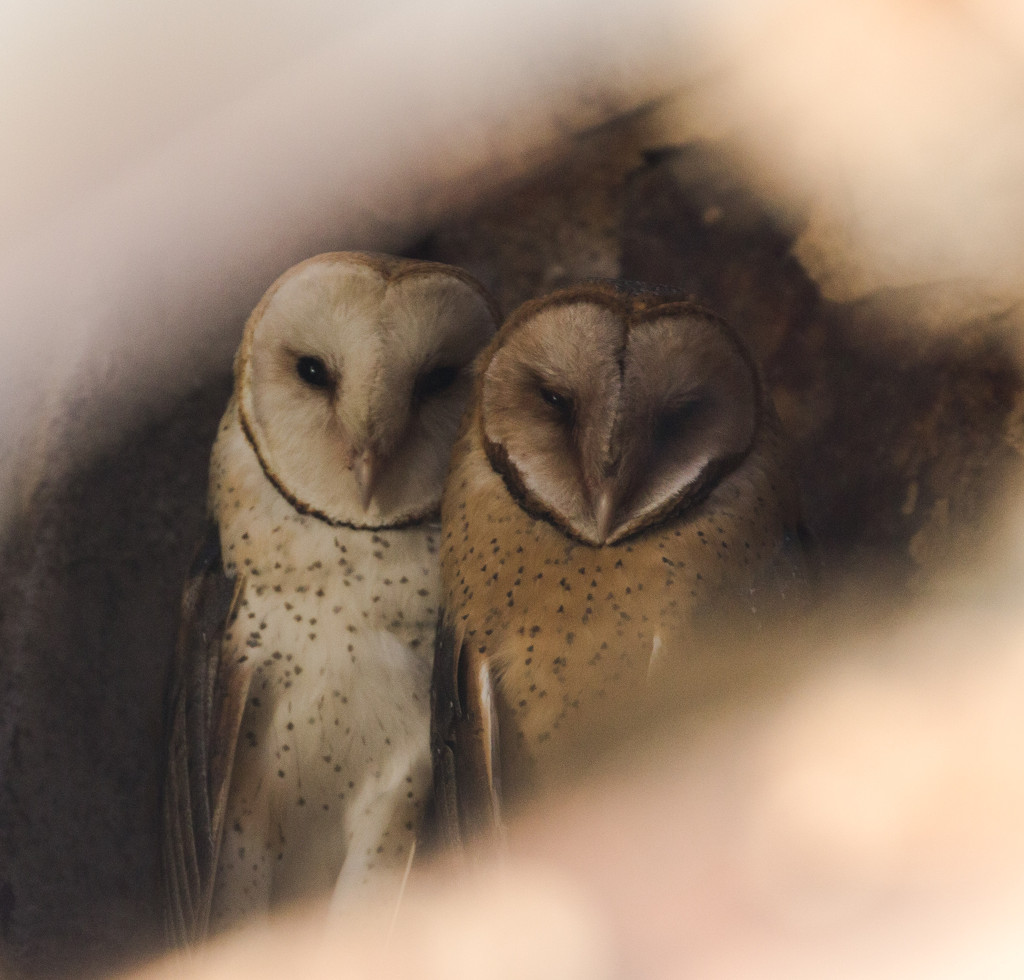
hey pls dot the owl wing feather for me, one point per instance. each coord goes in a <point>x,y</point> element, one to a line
<point>464,742</point>
<point>206,697</point>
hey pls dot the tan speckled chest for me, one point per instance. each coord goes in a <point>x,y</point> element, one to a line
<point>576,633</point>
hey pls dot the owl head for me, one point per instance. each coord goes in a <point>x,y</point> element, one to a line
<point>351,378</point>
<point>607,408</point>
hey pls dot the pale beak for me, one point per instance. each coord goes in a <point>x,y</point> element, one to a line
<point>604,511</point>
<point>365,471</point>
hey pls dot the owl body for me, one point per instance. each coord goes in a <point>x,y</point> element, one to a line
<point>549,638</point>
<point>336,624</point>
<point>298,757</point>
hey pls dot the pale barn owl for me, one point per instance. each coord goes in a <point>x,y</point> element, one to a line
<point>619,476</point>
<point>299,702</point>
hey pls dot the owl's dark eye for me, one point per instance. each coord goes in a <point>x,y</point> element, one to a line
<point>559,402</point>
<point>313,371</point>
<point>436,380</point>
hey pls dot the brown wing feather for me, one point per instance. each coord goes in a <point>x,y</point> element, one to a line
<point>205,700</point>
<point>477,764</point>
<point>464,740</point>
<point>444,708</point>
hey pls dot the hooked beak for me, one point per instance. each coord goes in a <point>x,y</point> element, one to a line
<point>365,470</point>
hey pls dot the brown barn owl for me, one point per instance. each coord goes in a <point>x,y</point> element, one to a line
<point>299,704</point>
<point>619,476</point>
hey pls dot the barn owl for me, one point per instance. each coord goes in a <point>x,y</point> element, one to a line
<point>620,475</point>
<point>299,756</point>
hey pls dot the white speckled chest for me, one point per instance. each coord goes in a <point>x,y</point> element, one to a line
<point>332,764</point>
